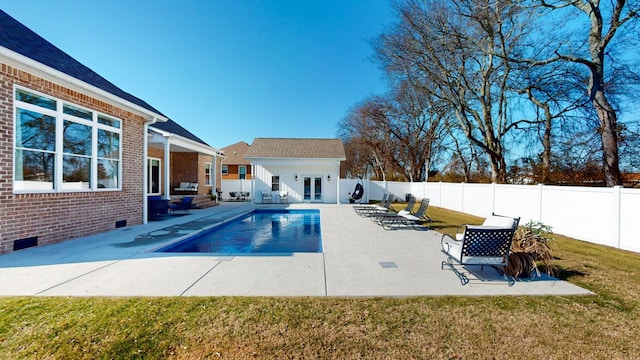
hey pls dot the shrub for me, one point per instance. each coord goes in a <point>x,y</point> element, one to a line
<point>530,247</point>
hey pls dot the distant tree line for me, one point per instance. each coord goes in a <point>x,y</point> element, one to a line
<point>502,91</point>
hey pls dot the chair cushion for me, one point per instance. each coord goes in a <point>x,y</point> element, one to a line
<point>499,221</point>
<point>184,185</point>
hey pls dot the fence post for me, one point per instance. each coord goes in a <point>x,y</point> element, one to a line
<point>617,213</point>
<point>540,189</point>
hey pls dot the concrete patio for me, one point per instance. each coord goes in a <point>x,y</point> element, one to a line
<point>360,259</point>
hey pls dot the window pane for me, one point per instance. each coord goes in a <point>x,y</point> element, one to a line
<point>225,169</point>
<point>108,174</point>
<point>34,99</point>
<point>35,130</point>
<point>275,183</point>
<point>77,138</point>
<point>108,144</point>
<point>77,112</point>
<point>318,189</point>
<point>108,121</point>
<point>34,170</point>
<point>76,172</point>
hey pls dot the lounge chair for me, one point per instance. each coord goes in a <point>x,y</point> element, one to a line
<point>266,197</point>
<point>481,245</point>
<point>184,205</point>
<point>415,220</point>
<point>377,209</point>
<point>284,197</point>
<point>369,206</point>
<point>356,196</point>
<point>407,210</point>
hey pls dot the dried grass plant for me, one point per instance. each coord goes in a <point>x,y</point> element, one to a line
<point>531,249</point>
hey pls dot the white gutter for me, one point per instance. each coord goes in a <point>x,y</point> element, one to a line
<point>145,169</point>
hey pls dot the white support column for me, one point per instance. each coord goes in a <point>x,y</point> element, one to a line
<point>167,167</point>
<point>338,183</point>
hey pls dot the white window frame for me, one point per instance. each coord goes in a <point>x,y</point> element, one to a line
<point>60,117</point>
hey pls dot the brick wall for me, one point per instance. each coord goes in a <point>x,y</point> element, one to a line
<point>57,217</point>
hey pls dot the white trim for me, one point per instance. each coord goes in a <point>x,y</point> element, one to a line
<point>187,143</point>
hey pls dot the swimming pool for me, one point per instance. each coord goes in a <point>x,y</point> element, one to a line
<point>262,231</point>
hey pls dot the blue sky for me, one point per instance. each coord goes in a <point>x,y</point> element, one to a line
<point>230,70</point>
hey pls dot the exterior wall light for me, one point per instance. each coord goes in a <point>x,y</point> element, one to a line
<point>296,177</point>
<point>328,177</point>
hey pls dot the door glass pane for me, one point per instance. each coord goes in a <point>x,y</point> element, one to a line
<point>307,188</point>
<point>154,176</point>
<point>318,189</point>
<point>242,172</point>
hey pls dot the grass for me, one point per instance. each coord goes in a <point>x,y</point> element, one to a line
<point>604,326</point>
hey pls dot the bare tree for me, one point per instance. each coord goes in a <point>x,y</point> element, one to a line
<point>448,50</point>
<point>605,20</point>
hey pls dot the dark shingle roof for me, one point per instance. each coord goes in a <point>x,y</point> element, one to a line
<point>20,39</point>
<point>296,148</point>
<point>175,128</point>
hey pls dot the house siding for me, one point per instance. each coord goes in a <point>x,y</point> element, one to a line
<point>56,217</point>
<point>287,171</point>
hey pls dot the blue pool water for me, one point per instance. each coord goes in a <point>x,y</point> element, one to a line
<point>261,231</point>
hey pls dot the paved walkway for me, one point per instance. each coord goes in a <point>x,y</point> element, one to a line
<point>360,259</point>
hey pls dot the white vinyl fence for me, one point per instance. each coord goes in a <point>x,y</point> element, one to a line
<point>598,215</point>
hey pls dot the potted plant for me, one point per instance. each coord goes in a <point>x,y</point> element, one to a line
<point>529,249</point>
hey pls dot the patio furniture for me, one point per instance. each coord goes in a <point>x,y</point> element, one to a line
<point>284,197</point>
<point>376,209</point>
<point>187,186</point>
<point>358,192</point>
<point>184,205</point>
<point>404,219</point>
<point>369,206</point>
<point>266,197</point>
<point>157,207</point>
<point>481,245</point>
<point>407,210</point>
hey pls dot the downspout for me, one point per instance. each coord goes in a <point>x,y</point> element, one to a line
<point>145,168</point>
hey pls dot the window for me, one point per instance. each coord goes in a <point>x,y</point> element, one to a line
<point>154,178</point>
<point>63,147</point>
<point>242,172</point>
<point>225,169</point>
<point>275,183</point>
<point>207,174</point>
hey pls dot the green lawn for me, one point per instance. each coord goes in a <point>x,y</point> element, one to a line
<point>605,326</point>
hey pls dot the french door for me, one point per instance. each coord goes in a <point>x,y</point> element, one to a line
<point>312,188</point>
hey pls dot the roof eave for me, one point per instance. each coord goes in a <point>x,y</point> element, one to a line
<point>36,68</point>
<point>187,143</point>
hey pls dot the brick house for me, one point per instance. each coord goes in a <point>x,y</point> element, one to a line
<point>307,169</point>
<point>234,165</point>
<point>72,145</point>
